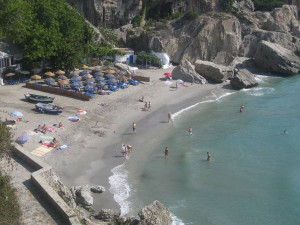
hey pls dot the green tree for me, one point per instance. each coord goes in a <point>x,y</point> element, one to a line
<point>145,58</point>
<point>46,29</point>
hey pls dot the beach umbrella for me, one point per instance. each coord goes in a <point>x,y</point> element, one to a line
<point>167,74</point>
<point>83,72</point>
<point>85,67</point>
<point>100,79</point>
<point>98,74</point>
<point>10,74</point>
<point>60,72</point>
<point>87,76</point>
<point>75,86</point>
<point>24,72</point>
<point>63,82</point>
<point>81,112</point>
<point>109,71</point>
<point>109,76</point>
<point>49,80</point>
<point>49,74</point>
<point>36,77</point>
<point>23,139</point>
<point>73,118</point>
<point>17,114</point>
<point>62,77</point>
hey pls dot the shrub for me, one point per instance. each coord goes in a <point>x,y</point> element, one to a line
<point>9,206</point>
<point>190,15</point>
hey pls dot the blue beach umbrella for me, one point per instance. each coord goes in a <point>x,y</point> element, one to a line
<point>17,114</point>
<point>23,139</point>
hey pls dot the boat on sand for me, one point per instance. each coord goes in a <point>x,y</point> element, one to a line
<point>48,108</point>
<point>38,98</point>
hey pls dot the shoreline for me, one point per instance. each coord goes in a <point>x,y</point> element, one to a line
<point>89,158</point>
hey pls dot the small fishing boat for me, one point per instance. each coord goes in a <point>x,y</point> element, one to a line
<point>48,108</point>
<point>39,98</point>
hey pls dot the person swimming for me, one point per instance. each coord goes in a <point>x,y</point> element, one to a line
<point>242,108</point>
<point>190,130</point>
<point>208,156</point>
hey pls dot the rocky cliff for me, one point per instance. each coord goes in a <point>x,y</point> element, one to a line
<point>116,13</point>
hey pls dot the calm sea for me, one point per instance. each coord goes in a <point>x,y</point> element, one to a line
<point>253,177</point>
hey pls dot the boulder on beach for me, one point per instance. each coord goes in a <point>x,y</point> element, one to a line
<point>187,73</point>
<point>243,78</point>
<point>83,195</point>
<point>212,71</point>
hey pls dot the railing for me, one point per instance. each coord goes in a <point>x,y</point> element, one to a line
<point>57,91</point>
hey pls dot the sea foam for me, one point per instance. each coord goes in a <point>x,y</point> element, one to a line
<point>120,188</point>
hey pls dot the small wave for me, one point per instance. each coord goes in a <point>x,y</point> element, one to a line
<point>258,91</point>
<point>217,98</point>
<point>119,187</point>
<point>176,220</point>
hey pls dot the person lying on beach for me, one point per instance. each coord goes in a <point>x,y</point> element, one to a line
<point>141,99</point>
<point>146,106</point>
<point>53,143</point>
<point>60,125</point>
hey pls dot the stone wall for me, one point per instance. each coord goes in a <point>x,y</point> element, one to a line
<point>50,195</point>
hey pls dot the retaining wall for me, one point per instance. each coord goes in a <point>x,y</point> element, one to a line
<point>57,91</point>
<point>58,204</point>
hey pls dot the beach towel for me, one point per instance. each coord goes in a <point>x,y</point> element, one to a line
<point>45,138</point>
<point>40,151</point>
<point>63,147</point>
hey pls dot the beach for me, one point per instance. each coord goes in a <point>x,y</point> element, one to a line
<point>94,142</point>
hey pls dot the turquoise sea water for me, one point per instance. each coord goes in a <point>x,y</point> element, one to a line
<point>253,177</point>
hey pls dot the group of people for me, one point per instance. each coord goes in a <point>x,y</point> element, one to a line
<point>41,129</point>
<point>147,106</point>
<point>53,143</point>
<point>126,150</point>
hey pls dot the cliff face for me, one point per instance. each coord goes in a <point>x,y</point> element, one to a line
<point>116,13</point>
<point>107,13</point>
<point>220,37</point>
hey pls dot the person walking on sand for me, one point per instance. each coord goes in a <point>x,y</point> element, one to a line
<point>134,127</point>
<point>190,130</point>
<point>166,152</point>
<point>149,105</point>
<point>208,156</point>
<point>146,106</point>
<point>169,117</point>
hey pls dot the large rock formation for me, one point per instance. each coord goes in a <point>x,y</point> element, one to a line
<point>155,214</point>
<point>213,72</point>
<point>275,58</point>
<point>243,79</point>
<point>187,73</point>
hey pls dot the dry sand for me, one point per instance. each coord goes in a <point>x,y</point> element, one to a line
<point>94,143</point>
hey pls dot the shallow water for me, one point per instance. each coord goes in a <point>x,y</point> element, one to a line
<point>253,176</point>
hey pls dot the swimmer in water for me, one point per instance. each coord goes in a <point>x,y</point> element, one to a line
<point>190,130</point>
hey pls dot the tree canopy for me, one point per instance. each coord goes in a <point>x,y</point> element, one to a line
<point>46,29</point>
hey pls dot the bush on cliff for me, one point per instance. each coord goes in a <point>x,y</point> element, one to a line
<point>9,206</point>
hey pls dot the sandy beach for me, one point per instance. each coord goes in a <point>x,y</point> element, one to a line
<point>94,143</point>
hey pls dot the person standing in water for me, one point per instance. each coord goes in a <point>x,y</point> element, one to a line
<point>242,108</point>
<point>169,117</point>
<point>166,152</point>
<point>190,130</point>
<point>134,127</point>
<point>208,156</point>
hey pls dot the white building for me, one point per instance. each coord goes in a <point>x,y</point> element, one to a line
<point>9,54</point>
<point>128,58</point>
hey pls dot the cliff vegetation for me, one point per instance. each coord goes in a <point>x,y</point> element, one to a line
<point>9,206</point>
